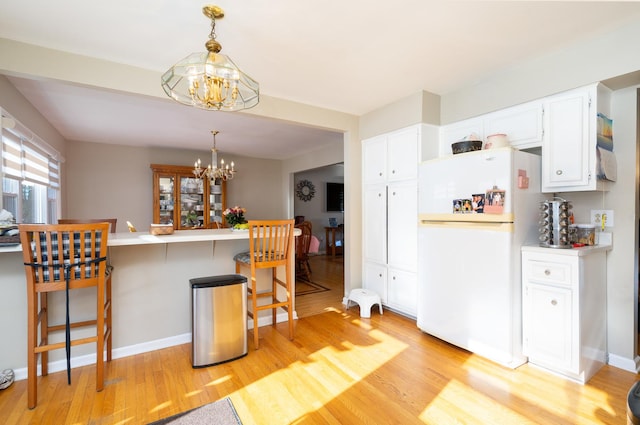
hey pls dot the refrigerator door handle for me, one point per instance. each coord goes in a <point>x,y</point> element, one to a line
<point>470,225</point>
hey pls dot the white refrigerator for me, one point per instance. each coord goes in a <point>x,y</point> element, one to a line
<point>469,280</point>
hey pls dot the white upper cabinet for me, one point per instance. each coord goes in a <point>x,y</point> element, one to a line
<point>402,154</point>
<point>374,157</point>
<point>569,156</point>
<point>522,124</point>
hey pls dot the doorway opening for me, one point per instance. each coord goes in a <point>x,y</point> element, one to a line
<point>319,201</point>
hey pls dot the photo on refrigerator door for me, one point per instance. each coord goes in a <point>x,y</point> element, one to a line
<point>462,206</point>
<point>477,203</point>
<point>494,201</point>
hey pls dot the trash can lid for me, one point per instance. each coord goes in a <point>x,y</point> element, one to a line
<point>220,280</point>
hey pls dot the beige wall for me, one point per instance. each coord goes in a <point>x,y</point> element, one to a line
<point>598,59</point>
<point>119,184</point>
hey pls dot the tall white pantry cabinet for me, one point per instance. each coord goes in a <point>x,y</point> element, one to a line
<point>390,214</point>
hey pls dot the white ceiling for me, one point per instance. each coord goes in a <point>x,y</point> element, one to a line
<point>352,56</point>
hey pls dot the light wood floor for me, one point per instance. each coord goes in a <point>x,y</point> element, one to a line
<point>340,369</point>
<point>328,272</point>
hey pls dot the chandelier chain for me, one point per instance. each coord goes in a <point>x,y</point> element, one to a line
<point>212,34</point>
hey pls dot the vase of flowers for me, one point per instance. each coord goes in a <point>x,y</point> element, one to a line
<point>234,216</point>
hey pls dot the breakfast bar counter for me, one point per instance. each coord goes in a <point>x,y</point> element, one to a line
<point>151,293</point>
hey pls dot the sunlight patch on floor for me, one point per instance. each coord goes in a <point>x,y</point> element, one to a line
<point>219,381</point>
<point>446,408</point>
<point>161,406</point>
<point>330,370</point>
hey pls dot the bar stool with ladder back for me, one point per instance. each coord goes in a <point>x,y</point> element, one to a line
<point>270,246</point>
<point>64,257</point>
<point>113,222</point>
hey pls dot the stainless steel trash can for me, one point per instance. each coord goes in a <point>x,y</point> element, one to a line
<point>219,319</point>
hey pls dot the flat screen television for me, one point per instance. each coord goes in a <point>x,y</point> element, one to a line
<point>335,196</point>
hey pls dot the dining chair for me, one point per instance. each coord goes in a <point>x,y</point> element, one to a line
<point>303,269</point>
<point>64,257</point>
<point>270,247</point>
<point>112,222</point>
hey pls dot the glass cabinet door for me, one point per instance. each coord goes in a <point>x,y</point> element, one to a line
<point>191,203</point>
<point>215,203</point>
<point>166,199</point>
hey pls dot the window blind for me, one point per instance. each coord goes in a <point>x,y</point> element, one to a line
<point>25,160</point>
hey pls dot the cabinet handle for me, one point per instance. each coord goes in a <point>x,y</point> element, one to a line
<point>380,174</point>
<point>554,302</point>
<point>547,272</point>
<point>394,278</point>
<point>394,194</point>
<point>393,171</point>
<point>380,275</point>
<point>379,195</point>
<point>558,172</point>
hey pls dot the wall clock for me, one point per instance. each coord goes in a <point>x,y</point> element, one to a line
<point>305,190</point>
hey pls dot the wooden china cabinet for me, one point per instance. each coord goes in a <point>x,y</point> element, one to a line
<point>181,199</point>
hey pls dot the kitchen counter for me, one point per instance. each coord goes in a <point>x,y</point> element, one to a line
<point>144,238</point>
<point>577,252</point>
<point>151,293</point>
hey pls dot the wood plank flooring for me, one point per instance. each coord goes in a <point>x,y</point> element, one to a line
<point>340,369</point>
<point>328,272</point>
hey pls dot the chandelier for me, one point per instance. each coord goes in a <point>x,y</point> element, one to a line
<point>210,80</point>
<point>212,171</point>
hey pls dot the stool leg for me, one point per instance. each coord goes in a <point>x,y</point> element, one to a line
<point>32,339</point>
<point>289,299</point>
<point>274,297</point>
<point>254,302</point>
<point>44,332</point>
<point>109,318</point>
<point>100,339</point>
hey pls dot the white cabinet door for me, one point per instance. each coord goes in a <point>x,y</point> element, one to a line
<point>402,290</point>
<point>402,154</point>
<point>548,326</point>
<point>566,145</point>
<point>374,230</point>
<point>402,225</point>
<point>375,279</point>
<point>522,124</point>
<point>374,160</point>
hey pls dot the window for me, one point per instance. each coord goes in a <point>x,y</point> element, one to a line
<point>30,177</point>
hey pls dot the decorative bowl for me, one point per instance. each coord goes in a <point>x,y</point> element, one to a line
<point>466,146</point>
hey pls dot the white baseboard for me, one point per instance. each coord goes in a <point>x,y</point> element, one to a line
<point>132,350</point>
<point>624,363</point>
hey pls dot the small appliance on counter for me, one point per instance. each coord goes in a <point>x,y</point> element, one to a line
<point>554,223</point>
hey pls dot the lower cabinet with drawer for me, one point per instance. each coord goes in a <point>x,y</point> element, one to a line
<point>564,309</point>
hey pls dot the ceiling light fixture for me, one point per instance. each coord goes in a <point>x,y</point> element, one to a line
<point>212,171</point>
<point>210,80</point>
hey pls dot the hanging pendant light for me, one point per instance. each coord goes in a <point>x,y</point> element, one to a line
<point>210,80</point>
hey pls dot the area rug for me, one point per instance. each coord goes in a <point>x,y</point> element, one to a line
<point>220,412</point>
<point>305,287</point>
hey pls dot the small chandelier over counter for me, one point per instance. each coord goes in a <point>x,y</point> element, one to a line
<point>212,171</point>
<point>210,80</point>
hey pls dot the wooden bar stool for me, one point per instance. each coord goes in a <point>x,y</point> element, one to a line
<point>270,246</point>
<point>64,257</point>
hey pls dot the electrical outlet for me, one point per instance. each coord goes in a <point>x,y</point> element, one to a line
<point>598,215</point>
